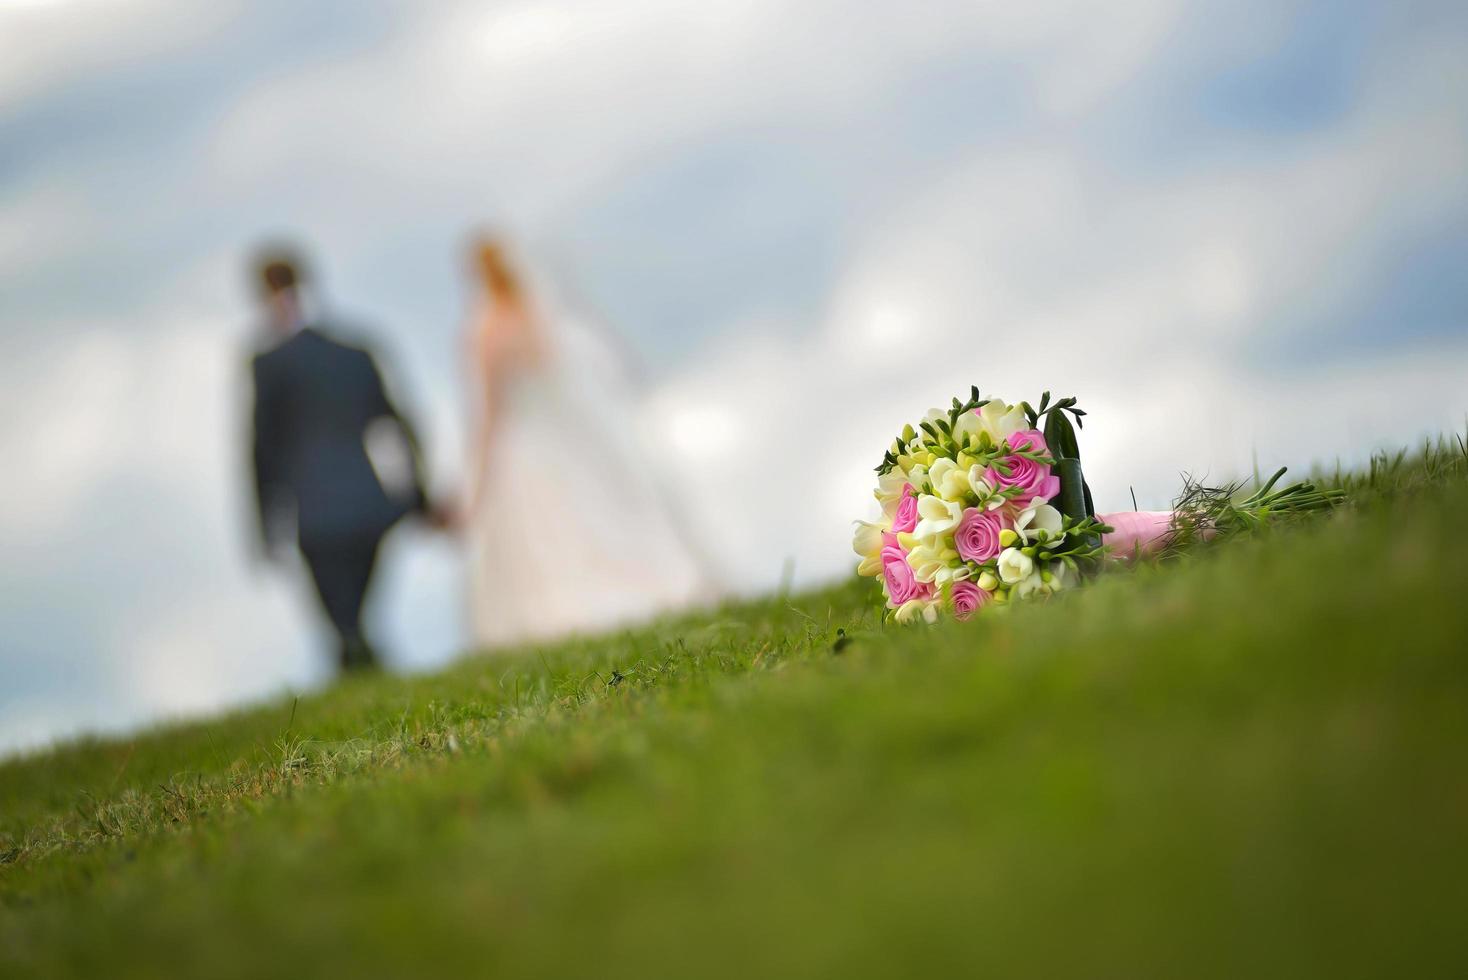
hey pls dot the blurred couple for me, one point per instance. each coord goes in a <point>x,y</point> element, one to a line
<point>566,529</point>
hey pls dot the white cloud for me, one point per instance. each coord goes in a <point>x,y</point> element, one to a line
<point>40,222</point>
<point>45,44</point>
<point>527,107</point>
<point>60,415</point>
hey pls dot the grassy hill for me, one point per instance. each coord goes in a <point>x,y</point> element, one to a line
<point>1252,762</point>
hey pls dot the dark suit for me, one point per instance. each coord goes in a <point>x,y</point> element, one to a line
<point>314,400</point>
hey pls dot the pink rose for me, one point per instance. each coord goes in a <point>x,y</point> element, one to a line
<point>907,515</point>
<point>1035,481</point>
<point>977,536</point>
<point>897,573</point>
<point>1031,439</point>
<point>968,599</point>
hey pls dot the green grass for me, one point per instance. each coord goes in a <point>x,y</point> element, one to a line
<point>1251,762</point>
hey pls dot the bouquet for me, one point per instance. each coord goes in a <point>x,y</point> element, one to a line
<point>986,504</point>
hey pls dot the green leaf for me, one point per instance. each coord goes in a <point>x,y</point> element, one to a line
<point>1061,437</point>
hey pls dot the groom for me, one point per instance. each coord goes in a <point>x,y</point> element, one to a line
<point>314,401</point>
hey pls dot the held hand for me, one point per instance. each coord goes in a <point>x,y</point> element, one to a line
<point>444,515</point>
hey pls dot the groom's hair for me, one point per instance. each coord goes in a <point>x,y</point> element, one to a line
<point>278,270</point>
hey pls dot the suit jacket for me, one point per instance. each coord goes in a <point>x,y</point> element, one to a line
<point>314,399</point>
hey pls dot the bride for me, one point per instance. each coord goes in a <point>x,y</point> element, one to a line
<point>567,529</point>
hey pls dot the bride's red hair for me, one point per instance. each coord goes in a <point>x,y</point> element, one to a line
<point>495,271</point>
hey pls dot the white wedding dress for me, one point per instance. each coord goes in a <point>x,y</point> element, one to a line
<point>568,531</point>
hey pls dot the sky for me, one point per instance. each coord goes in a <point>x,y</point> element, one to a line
<point>1236,231</point>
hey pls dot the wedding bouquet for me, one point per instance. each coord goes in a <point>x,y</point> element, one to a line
<point>980,504</point>
<point>986,503</point>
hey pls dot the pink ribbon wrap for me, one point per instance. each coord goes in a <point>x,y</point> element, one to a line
<point>1138,533</point>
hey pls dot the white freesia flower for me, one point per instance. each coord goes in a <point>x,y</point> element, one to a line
<point>1015,566</point>
<point>949,481</point>
<point>889,491</point>
<point>912,609</point>
<point>868,538</point>
<point>1033,520</point>
<point>1060,576</point>
<point>867,542</point>
<point>914,458</point>
<point>936,516</point>
<point>968,424</point>
<point>1028,585</point>
<point>932,561</point>
<point>983,489</point>
<point>1001,420</point>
